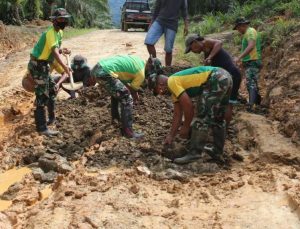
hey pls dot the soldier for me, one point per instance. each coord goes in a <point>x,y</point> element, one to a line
<point>122,76</point>
<point>251,59</point>
<point>46,50</point>
<point>212,86</point>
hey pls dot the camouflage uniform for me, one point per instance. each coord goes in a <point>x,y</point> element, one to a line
<point>45,86</point>
<point>252,69</point>
<point>119,94</point>
<point>211,107</point>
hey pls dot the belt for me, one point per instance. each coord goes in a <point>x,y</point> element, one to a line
<point>34,59</point>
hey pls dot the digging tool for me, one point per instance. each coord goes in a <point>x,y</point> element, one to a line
<point>72,86</point>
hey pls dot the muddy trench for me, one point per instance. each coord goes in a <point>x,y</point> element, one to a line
<point>91,177</point>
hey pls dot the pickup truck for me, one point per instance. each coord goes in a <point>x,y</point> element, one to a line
<point>136,14</point>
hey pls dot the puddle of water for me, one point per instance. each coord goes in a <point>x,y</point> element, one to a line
<point>9,178</point>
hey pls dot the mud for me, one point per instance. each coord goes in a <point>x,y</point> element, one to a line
<point>113,182</point>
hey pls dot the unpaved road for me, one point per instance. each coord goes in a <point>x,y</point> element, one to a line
<point>117,183</point>
<point>95,45</point>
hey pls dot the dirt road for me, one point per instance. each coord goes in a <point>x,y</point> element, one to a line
<point>108,181</point>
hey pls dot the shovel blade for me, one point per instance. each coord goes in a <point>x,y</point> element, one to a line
<point>74,87</point>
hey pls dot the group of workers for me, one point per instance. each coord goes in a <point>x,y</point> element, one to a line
<point>215,85</point>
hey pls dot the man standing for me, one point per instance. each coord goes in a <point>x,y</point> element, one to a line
<point>46,50</point>
<point>251,59</point>
<point>165,21</point>
<point>212,86</point>
<point>122,77</point>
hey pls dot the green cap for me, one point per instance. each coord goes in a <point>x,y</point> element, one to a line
<point>189,41</point>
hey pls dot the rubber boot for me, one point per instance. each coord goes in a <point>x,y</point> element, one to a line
<point>126,118</point>
<point>197,143</point>
<point>216,152</point>
<point>115,110</point>
<point>252,99</point>
<point>51,113</point>
<point>41,125</point>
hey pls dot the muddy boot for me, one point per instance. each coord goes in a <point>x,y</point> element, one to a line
<point>198,140</point>
<point>115,116</point>
<point>40,121</point>
<point>126,118</point>
<point>252,99</point>
<point>51,113</point>
<point>216,152</point>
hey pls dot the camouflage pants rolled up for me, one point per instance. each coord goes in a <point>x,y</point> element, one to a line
<point>119,93</point>
<point>45,86</point>
<point>211,105</point>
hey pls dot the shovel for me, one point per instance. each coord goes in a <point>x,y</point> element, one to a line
<point>72,86</point>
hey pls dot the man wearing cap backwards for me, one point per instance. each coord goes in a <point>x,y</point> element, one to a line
<point>216,56</point>
<point>212,86</point>
<point>45,51</point>
<point>122,77</point>
<point>251,59</point>
<point>165,21</point>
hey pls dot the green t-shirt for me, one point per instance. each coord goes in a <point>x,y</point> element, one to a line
<point>255,54</point>
<point>127,68</point>
<point>189,81</point>
<point>43,48</point>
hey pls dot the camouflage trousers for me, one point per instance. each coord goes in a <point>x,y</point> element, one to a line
<point>252,69</point>
<point>211,108</point>
<point>119,94</point>
<point>45,86</point>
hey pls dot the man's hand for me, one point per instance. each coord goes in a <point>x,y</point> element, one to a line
<point>184,132</point>
<point>169,140</point>
<point>207,61</point>
<point>237,60</point>
<point>186,30</point>
<point>65,51</point>
<point>57,87</point>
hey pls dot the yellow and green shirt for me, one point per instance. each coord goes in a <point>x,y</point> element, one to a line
<point>127,68</point>
<point>255,54</point>
<point>50,39</point>
<point>189,81</point>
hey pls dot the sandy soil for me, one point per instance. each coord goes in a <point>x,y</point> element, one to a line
<point>117,183</point>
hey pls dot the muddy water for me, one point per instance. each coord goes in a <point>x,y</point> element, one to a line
<point>9,178</point>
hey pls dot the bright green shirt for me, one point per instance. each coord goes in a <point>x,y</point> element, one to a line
<point>253,35</point>
<point>127,68</point>
<point>189,81</point>
<point>49,40</point>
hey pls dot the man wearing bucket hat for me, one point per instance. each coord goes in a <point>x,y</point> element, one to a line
<point>212,87</point>
<point>216,56</point>
<point>251,59</point>
<point>45,51</point>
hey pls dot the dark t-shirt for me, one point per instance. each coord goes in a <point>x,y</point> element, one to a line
<point>167,12</point>
<point>82,75</point>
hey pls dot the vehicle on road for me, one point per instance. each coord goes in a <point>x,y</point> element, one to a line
<point>136,14</point>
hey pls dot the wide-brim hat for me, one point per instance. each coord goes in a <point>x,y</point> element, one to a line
<point>60,13</point>
<point>240,21</point>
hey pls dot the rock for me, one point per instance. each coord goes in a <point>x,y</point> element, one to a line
<point>12,191</point>
<point>143,170</point>
<point>40,175</point>
<point>175,175</point>
<point>134,189</point>
<point>55,163</point>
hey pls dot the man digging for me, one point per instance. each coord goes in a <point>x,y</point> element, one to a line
<point>46,50</point>
<point>122,77</point>
<point>212,87</point>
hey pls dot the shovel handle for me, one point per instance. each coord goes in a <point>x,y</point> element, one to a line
<point>71,74</point>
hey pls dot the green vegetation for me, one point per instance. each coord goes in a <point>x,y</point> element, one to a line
<point>85,13</point>
<point>275,19</point>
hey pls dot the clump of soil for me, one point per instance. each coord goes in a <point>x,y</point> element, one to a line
<point>283,86</point>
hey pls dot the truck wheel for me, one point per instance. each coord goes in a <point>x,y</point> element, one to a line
<point>122,26</point>
<point>146,28</point>
<point>125,27</point>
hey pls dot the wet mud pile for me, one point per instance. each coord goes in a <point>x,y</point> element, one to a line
<point>283,86</point>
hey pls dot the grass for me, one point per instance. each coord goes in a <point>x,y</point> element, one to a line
<point>74,32</point>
